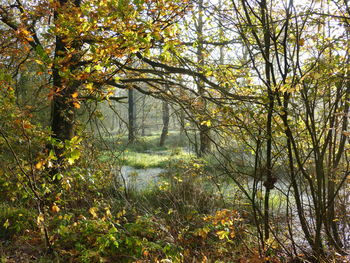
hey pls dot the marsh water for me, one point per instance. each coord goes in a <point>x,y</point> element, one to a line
<point>139,179</point>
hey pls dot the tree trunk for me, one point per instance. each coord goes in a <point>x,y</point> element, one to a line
<point>165,110</point>
<point>182,122</point>
<point>270,180</point>
<point>143,128</point>
<point>204,131</point>
<point>62,111</point>
<point>131,115</point>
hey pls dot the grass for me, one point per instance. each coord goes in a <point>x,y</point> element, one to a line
<point>146,160</point>
<point>146,152</point>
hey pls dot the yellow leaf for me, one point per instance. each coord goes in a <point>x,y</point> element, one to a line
<point>39,62</point>
<point>40,218</point>
<point>170,211</point>
<point>121,213</point>
<point>108,212</point>
<point>206,123</point>
<point>98,67</point>
<point>25,31</point>
<point>75,95</point>
<point>222,234</point>
<point>55,209</point>
<point>7,224</point>
<point>39,165</point>
<point>93,212</point>
<point>89,86</point>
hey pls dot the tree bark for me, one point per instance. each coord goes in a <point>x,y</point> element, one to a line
<point>143,128</point>
<point>204,131</point>
<point>63,110</point>
<point>166,118</point>
<point>131,111</point>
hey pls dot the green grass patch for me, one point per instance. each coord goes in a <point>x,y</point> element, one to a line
<point>146,152</point>
<point>163,159</point>
<point>145,160</point>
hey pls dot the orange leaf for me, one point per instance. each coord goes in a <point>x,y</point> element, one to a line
<point>346,133</point>
<point>55,209</point>
<point>27,125</point>
<point>76,104</point>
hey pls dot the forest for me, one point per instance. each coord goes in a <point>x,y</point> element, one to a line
<point>175,131</point>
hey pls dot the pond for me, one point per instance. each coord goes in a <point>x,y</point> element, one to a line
<point>139,179</point>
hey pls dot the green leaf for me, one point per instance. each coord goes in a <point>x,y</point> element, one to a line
<point>74,155</point>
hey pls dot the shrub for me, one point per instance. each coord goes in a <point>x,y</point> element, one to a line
<point>14,221</point>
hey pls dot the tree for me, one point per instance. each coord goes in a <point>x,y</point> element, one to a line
<point>86,45</point>
<point>165,118</point>
<point>131,116</point>
<point>203,129</point>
